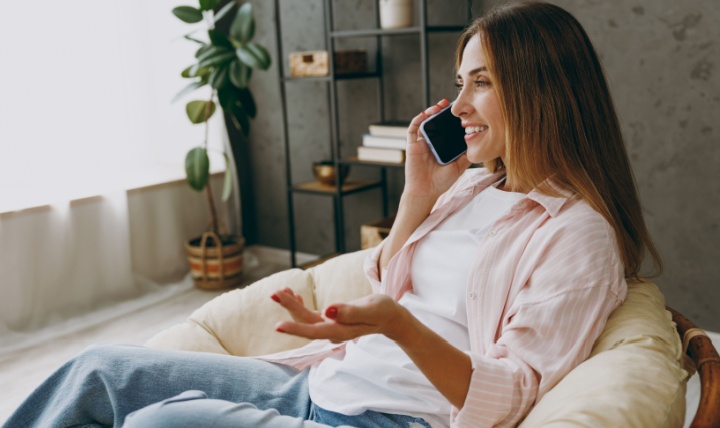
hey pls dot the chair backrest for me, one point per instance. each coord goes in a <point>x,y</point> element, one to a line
<point>698,347</point>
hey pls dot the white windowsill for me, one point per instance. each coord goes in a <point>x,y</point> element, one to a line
<point>45,192</point>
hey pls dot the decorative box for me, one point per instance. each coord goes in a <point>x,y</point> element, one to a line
<point>372,234</point>
<point>309,64</point>
<point>350,61</point>
<point>315,63</point>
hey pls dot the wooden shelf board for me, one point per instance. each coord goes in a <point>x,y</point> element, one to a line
<point>306,78</point>
<point>356,161</point>
<point>350,186</point>
<point>368,32</point>
<point>328,78</point>
<point>375,32</point>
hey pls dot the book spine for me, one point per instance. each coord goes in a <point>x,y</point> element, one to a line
<point>381,155</point>
<point>384,142</point>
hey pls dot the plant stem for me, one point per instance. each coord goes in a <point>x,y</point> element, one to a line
<point>208,188</point>
<point>208,107</point>
<point>213,214</point>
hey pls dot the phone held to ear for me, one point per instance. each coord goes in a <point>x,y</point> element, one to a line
<point>445,135</point>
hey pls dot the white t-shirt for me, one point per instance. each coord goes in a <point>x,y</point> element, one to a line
<point>376,374</point>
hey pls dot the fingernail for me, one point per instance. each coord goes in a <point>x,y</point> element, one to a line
<point>275,298</point>
<point>279,330</point>
<point>331,312</point>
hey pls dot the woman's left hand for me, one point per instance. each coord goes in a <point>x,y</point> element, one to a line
<point>375,313</point>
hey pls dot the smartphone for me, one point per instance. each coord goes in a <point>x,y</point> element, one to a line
<point>445,135</point>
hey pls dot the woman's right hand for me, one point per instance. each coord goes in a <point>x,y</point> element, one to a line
<point>425,178</point>
<point>425,181</point>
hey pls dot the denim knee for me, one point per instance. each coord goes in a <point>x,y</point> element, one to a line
<point>193,409</point>
<point>98,359</point>
<point>161,415</point>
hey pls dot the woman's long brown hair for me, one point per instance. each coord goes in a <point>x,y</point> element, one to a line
<point>560,119</point>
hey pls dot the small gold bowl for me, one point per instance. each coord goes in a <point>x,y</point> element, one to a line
<point>325,172</point>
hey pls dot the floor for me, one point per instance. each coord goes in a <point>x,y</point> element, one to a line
<point>22,370</point>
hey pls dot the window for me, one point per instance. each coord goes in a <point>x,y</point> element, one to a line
<point>85,99</point>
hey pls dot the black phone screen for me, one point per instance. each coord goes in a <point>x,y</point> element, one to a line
<point>445,135</point>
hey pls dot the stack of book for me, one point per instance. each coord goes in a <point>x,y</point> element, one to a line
<point>385,142</point>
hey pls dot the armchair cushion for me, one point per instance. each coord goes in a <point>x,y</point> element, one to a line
<point>633,377</point>
<point>242,321</point>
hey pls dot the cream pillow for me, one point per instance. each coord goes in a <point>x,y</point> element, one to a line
<point>634,377</point>
<point>242,321</point>
<point>340,279</point>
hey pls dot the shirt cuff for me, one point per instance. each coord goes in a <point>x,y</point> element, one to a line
<point>499,390</point>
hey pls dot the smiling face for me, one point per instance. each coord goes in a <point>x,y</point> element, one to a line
<point>478,106</point>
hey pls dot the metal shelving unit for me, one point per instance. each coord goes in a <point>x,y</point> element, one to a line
<point>338,192</point>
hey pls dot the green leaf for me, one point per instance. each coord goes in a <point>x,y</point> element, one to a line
<point>189,37</point>
<point>188,14</point>
<point>228,183</point>
<point>240,119</point>
<point>200,111</point>
<point>219,39</point>
<point>208,4</point>
<point>243,26</point>
<point>196,72</point>
<point>228,97</point>
<point>253,55</point>
<point>218,77</point>
<point>189,88</point>
<point>197,168</point>
<point>239,74</point>
<point>202,49</point>
<point>212,50</point>
<point>246,99</point>
<point>214,57</point>
<point>225,9</point>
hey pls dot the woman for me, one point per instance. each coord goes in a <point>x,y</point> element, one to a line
<point>493,283</point>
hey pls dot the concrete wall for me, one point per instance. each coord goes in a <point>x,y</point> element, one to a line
<point>661,58</point>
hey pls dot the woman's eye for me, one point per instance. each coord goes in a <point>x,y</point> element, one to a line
<point>478,84</point>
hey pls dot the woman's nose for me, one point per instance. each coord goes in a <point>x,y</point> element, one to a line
<point>460,105</point>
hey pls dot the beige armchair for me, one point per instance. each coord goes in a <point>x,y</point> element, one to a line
<point>634,377</point>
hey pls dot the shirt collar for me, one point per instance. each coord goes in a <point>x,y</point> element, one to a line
<point>552,204</point>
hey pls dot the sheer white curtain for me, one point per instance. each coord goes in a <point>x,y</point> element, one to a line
<point>65,267</point>
<point>85,112</point>
<point>85,91</point>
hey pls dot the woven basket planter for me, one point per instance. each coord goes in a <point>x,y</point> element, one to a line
<point>216,262</point>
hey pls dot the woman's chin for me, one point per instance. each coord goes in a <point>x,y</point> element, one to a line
<point>475,157</point>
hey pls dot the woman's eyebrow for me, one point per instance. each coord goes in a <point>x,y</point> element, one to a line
<point>474,71</point>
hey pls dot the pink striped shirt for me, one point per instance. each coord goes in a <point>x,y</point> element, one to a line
<point>547,277</point>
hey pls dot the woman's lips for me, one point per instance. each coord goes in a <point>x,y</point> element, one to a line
<point>473,131</point>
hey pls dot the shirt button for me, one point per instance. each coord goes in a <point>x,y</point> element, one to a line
<point>493,233</point>
<point>471,295</point>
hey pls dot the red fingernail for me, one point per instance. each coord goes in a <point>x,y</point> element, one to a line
<point>275,298</point>
<point>331,312</point>
<point>279,330</point>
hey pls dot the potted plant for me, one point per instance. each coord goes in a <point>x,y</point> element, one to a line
<point>224,61</point>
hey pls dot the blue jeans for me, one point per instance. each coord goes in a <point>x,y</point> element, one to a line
<point>144,387</point>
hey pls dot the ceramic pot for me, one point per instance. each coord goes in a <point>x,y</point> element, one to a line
<point>396,13</point>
